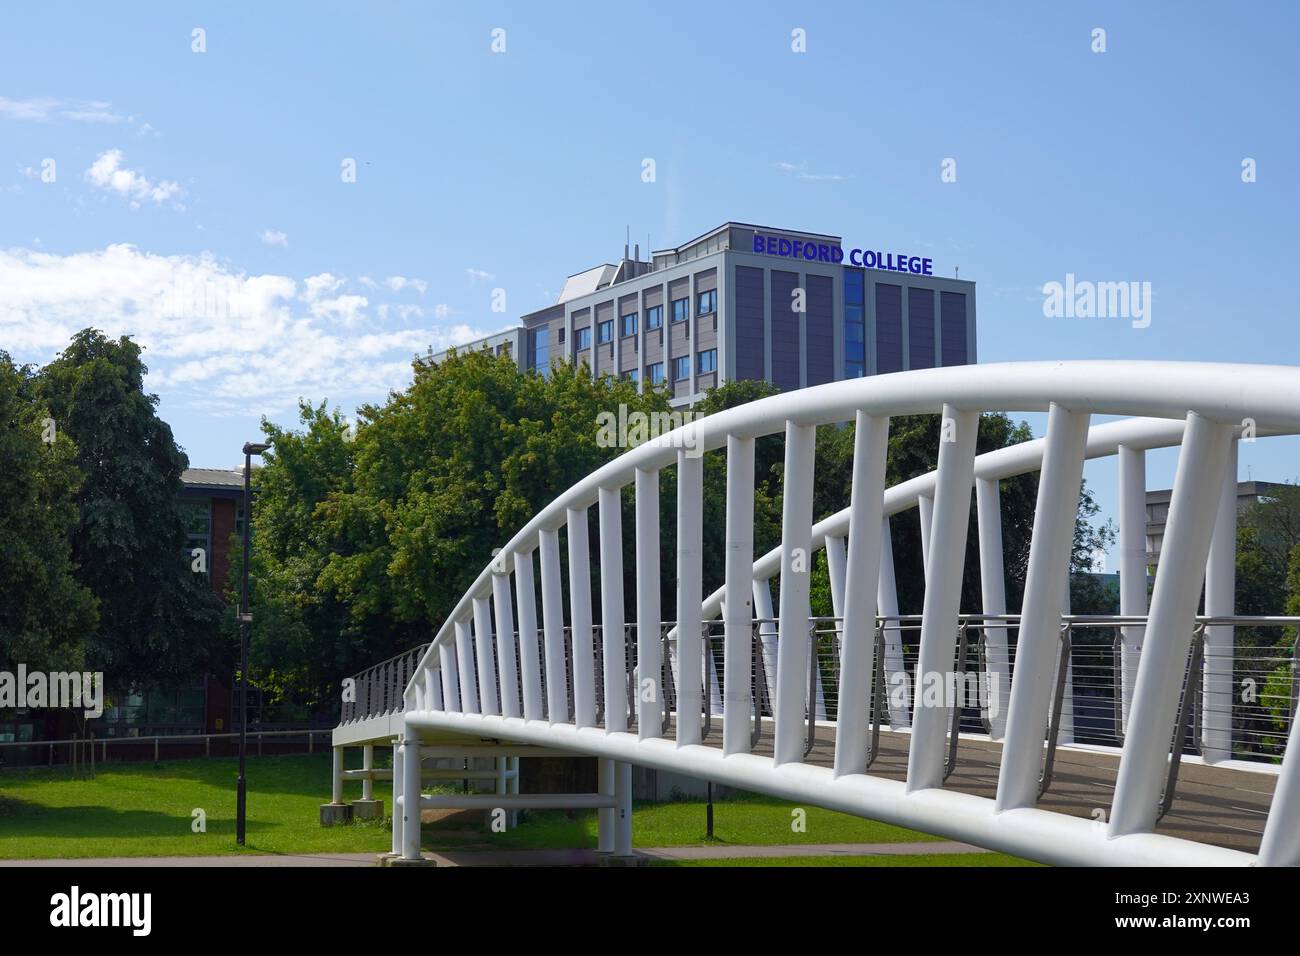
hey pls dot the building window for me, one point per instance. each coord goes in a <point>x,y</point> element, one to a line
<point>605,331</point>
<point>706,302</point>
<point>538,350</point>
<point>655,373</point>
<point>855,326</point>
<point>561,335</point>
<point>681,367</point>
<point>629,324</point>
<point>707,361</point>
<point>582,337</point>
<point>654,317</point>
<point>631,375</point>
<point>681,310</point>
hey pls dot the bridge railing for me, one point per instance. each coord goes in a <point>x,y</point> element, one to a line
<point>378,690</point>
<point>1202,408</point>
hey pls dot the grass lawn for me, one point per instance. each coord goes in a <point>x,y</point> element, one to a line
<point>142,809</point>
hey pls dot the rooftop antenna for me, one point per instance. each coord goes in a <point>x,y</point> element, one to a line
<point>956,272</point>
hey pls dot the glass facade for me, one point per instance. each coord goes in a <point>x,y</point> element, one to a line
<point>539,350</point>
<point>605,331</point>
<point>708,361</point>
<point>681,367</point>
<point>655,373</point>
<point>582,337</point>
<point>707,302</point>
<point>681,310</point>
<point>855,324</point>
<point>629,324</point>
<point>654,317</point>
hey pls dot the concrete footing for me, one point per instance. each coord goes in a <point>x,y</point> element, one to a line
<point>617,860</point>
<point>332,813</point>
<point>398,862</point>
<point>367,809</point>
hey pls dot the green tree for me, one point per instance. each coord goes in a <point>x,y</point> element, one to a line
<point>46,614</point>
<point>157,620</point>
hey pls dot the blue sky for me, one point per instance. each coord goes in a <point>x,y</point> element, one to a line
<point>220,171</point>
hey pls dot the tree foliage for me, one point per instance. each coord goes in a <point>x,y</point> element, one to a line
<point>157,620</point>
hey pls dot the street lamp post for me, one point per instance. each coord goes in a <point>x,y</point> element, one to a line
<point>245,619</point>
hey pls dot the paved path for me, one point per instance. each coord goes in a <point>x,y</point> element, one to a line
<point>522,857</point>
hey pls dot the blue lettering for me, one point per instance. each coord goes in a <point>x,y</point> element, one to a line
<point>926,264</point>
<point>914,265</point>
<point>759,243</point>
<point>869,259</point>
<point>855,257</point>
<point>837,254</point>
<point>783,247</point>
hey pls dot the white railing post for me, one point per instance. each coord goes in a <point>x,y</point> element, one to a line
<point>861,567</point>
<point>410,794</point>
<point>1132,568</point>
<point>623,812</point>
<point>1038,647</point>
<point>649,652</point>
<point>368,764</point>
<point>507,669</point>
<point>792,624</point>
<point>487,668</point>
<point>398,780</point>
<point>1202,463</point>
<point>580,633</point>
<point>557,691</point>
<point>836,570</point>
<point>530,665</point>
<point>690,585</point>
<point>993,592</point>
<point>336,776</point>
<point>1281,843</point>
<point>897,688</point>
<point>611,613</point>
<point>465,665</point>
<point>764,611</point>
<point>952,498</point>
<point>925,515</point>
<point>448,671</point>
<point>737,610</point>
<point>605,816</point>
<point>1220,601</point>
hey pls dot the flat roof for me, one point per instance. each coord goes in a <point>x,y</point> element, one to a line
<point>745,225</point>
<point>214,479</point>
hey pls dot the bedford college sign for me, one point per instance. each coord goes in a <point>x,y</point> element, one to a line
<point>822,252</point>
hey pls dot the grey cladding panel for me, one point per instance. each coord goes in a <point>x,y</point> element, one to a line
<point>820,329</point>
<point>748,300</point>
<point>920,328</point>
<point>889,328</point>
<point>785,330</point>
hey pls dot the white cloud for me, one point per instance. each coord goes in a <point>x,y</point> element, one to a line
<point>107,172</point>
<point>217,340</point>
<point>47,109</point>
<point>800,171</point>
<point>398,283</point>
<point>273,237</point>
<point>479,275</point>
<point>316,286</point>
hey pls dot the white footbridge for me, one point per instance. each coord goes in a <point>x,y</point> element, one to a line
<point>1155,737</point>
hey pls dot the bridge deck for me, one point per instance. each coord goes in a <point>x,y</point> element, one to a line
<point>1226,807</point>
